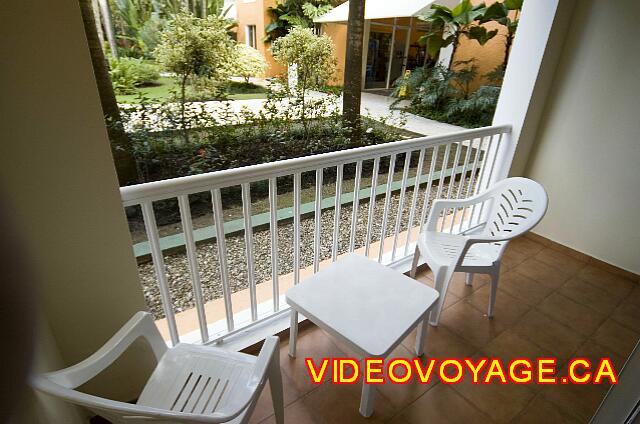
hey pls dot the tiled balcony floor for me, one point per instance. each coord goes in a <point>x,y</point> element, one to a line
<point>549,304</point>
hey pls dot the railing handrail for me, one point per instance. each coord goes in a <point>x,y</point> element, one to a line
<point>163,189</point>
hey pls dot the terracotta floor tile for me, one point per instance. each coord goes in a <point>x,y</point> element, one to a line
<point>509,345</point>
<point>264,407</point>
<point>513,257</point>
<point>590,295</point>
<point>442,404</point>
<point>616,337</point>
<point>523,288</point>
<point>526,246</point>
<point>401,395</point>
<point>450,297</point>
<point>580,318</point>
<point>607,281</point>
<point>541,410</point>
<point>458,287</point>
<point>312,343</point>
<point>332,404</point>
<point>501,402</point>
<point>441,343</point>
<point>560,260</point>
<point>628,314</point>
<point>549,334</point>
<point>543,273</point>
<point>296,413</point>
<point>507,310</point>
<point>471,324</point>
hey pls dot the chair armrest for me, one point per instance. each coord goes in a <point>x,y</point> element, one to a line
<point>140,325</point>
<point>441,204</point>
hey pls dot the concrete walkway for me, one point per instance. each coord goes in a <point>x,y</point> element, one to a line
<point>373,105</point>
<point>380,106</point>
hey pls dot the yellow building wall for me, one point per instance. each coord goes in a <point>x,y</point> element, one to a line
<point>338,34</point>
<point>489,56</point>
<point>255,13</point>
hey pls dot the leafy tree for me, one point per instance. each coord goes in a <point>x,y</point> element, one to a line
<point>506,13</point>
<point>192,47</point>
<point>462,20</point>
<point>293,13</point>
<point>313,56</point>
<point>248,62</point>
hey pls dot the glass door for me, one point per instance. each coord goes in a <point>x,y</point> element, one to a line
<point>379,48</point>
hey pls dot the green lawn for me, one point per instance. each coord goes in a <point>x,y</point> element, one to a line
<point>162,90</point>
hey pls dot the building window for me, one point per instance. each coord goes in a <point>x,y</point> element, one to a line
<point>250,35</point>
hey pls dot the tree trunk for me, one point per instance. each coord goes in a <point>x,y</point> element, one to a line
<point>96,16</point>
<point>353,70</point>
<point>108,26</point>
<point>204,8</point>
<point>120,146</point>
<point>183,104</point>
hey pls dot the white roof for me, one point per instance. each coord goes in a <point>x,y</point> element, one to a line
<point>379,9</point>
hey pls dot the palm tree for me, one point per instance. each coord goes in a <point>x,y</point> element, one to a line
<point>353,69</point>
<point>120,147</point>
<point>108,26</point>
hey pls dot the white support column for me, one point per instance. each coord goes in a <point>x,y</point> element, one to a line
<point>446,54</point>
<point>365,50</point>
<point>407,45</point>
<point>393,41</point>
<point>528,77</point>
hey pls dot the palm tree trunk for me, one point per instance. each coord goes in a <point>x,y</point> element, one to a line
<point>353,70</point>
<point>96,16</point>
<point>108,26</point>
<point>120,146</point>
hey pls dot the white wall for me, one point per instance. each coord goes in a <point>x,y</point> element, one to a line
<point>587,147</point>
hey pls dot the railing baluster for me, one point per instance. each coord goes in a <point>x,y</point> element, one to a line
<point>296,228</point>
<point>483,172</point>
<point>336,217</point>
<point>248,247</point>
<point>190,245</point>
<point>218,219</point>
<point>273,225</point>
<point>356,204</point>
<point>443,172</point>
<point>463,177</point>
<point>452,180</point>
<point>403,189</point>
<point>372,204</point>
<point>387,201</point>
<point>427,190</point>
<point>159,267</point>
<point>493,165</point>
<point>472,179</point>
<point>317,227</point>
<point>414,200</point>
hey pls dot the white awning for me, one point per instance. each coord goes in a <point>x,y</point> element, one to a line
<point>380,9</point>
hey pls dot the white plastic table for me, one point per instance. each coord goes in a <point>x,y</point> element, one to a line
<point>368,306</point>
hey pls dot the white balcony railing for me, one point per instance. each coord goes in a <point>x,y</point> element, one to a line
<point>454,165</point>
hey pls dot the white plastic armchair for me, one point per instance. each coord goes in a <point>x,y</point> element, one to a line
<point>505,211</point>
<point>190,384</point>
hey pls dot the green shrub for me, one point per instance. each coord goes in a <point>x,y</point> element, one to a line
<point>127,73</point>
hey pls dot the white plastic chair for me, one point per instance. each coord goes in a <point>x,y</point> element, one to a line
<point>508,209</point>
<point>190,384</point>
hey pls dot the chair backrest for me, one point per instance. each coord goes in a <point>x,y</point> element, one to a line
<point>517,205</point>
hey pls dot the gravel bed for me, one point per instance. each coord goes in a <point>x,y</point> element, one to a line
<point>178,272</point>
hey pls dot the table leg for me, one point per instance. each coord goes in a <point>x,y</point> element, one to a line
<point>293,333</point>
<point>367,400</point>
<point>421,335</point>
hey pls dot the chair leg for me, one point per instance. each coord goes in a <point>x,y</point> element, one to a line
<point>293,333</point>
<point>414,265</point>
<point>275,384</point>
<point>421,335</point>
<point>367,400</point>
<point>469,279</point>
<point>441,287</point>
<point>495,277</point>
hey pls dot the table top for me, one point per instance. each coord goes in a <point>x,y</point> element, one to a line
<point>365,304</point>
